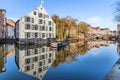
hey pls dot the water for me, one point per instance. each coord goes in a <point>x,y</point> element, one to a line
<point>77,61</point>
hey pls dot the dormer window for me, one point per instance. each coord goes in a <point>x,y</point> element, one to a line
<point>49,22</point>
<point>40,15</point>
<point>27,26</point>
<point>27,19</point>
<point>32,20</point>
<point>41,8</point>
<point>35,13</point>
<point>40,21</point>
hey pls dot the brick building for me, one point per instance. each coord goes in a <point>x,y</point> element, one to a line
<point>2,23</point>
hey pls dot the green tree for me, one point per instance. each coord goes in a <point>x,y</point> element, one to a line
<point>70,22</point>
<point>82,27</point>
<point>56,20</point>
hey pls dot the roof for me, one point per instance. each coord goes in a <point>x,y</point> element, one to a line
<point>11,53</point>
<point>2,10</point>
<point>10,22</point>
<point>39,8</point>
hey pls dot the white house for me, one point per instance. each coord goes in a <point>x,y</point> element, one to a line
<point>2,23</point>
<point>10,29</point>
<point>36,26</point>
<point>34,60</point>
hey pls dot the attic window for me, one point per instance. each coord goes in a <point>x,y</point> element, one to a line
<point>35,13</point>
<point>41,8</point>
<point>40,15</point>
<point>27,19</point>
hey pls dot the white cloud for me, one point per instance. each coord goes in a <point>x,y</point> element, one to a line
<point>94,20</point>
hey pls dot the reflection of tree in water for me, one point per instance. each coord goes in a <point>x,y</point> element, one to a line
<point>60,57</point>
<point>70,53</point>
<point>84,49</point>
<point>3,53</point>
<point>118,48</point>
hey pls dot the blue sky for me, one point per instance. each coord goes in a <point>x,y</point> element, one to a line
<point>94,12</point>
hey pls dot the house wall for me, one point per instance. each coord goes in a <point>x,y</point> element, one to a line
<point>11,32</point>
<point>35,61</point>
<point>45,26</point>
<point>2,22</point>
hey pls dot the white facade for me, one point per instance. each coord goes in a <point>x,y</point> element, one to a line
<point>35,25</point>
<point>34,61</point>
<point>10,32</point>
<point>2,23</point>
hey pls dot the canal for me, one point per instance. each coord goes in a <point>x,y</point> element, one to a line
<point>77,61</point>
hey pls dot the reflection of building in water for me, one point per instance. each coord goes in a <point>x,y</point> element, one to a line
<point>118,48</point>
<point>5,49</point>
<point>114,73</point>
<point>69,53</point>
<point>11,50</point>
<point>97,44</point>
<point>34,60</point>
<point>3,52</point>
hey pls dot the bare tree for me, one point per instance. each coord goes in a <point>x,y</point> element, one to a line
<point>117,11</point>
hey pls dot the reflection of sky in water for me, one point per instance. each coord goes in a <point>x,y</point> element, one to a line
<point>13,73</point>
<point>88,67</point>
<point>94,51</point>
<point>92,66</point>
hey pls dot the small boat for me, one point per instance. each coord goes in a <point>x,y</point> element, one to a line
<point>62,44</point>
<point>54,44</point>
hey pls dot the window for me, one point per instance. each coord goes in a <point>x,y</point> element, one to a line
<point>34,73</point>
<point>40,64</point>
<point>40,21</point>
<point>33,27</point>
<point>47,16</point>
<point>50,54</point>
<point>32,66</point>
<point>43,35</point>
<point>40,35</point>
<point>43,57</point>
<point>32,35</point>
<point>41,8</point>
<point>36,27</point>
<point>27,19</point>
<point>36,51</point>
<point>40,15</point>
<point>27,68</point>
<point>43,28</point>
<point>44,68</point>
<point>49,35</point>
<point>35,13</point>
<point>43,49</point>
<point>27,53</point>
<point>49,61</point>
<point>49,23</point>
<point>39,70</point>
<point>27,61</point>
<point>39,27</point>
<point>36,35</point>
<point>36,58</point>
<point>46,28</point>
<point>40,57</point>
<point>50,29</point>
<point>32,20</point>
<point>27,26</point>
<point>27,34</point>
